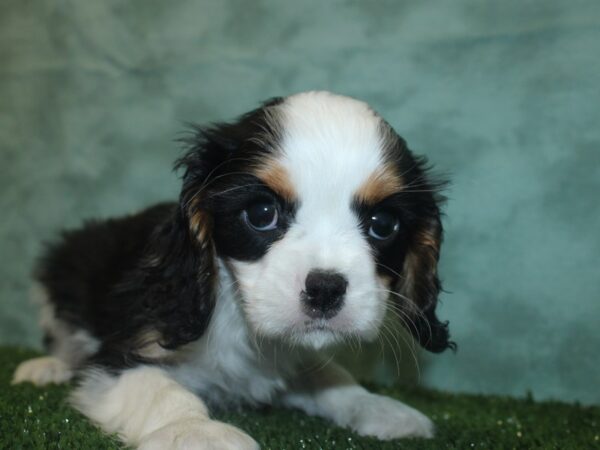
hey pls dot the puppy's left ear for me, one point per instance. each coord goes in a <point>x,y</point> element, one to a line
<point>420,284</point>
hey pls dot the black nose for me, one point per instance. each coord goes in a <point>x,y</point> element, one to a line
<point>324,293</point>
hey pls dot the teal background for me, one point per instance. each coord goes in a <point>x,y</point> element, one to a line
<point>503,96</point>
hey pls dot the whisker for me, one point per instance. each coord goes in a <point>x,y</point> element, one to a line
<point>413,309</point>
<point>217,167</point>
<point>410,344</point>
<point>398,274</point>
<point>235,188</point>
<point>397,362</point>
<point>208,182</point>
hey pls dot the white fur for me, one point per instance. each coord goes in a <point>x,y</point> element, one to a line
<point>331,392</point>
<point>227,364</point>
<point>150,410</point>
<point>70,345</point>
<point>330,146</point>
<point>41,371</point>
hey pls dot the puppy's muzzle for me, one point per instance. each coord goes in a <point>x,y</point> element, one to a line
<point>324,293</point>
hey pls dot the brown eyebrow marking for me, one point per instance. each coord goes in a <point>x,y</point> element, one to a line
<point>380,184</point>
<point>276,177</point>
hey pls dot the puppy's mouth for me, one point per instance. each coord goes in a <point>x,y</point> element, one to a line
<point>321,332</point>
<point>318,325</point>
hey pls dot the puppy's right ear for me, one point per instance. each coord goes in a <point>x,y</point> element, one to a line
<point>180,272</point>
<point>178,276</point>
<point>167,298</point>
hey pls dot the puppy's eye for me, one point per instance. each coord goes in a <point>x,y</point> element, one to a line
<point>261,216</point>
<point>384,225</point>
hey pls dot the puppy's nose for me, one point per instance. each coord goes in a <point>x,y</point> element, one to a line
<point>324,293</point>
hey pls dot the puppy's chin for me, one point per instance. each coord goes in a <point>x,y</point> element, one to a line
<point>315,334</point>
<point>318,338</point>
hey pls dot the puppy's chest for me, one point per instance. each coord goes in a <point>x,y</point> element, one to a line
<point>225,367</point>
<point>230,376</point>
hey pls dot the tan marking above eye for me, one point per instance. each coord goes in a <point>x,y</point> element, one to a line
<point>276,177</point>
<point>380,184</point>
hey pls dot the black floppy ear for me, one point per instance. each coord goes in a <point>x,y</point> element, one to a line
<point>180,272</point>
<point>171,293</point>
<point>181,267</point>
<point>420,284</point>
<point>166,299</point>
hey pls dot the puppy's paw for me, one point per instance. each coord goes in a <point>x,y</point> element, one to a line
<point>198,435</point>
<point>42,371</point>
<point>386,418</point>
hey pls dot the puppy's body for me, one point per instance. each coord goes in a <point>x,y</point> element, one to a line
<point>298,227</point>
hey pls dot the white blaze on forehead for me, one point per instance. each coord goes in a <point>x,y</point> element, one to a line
<point>330,145</point>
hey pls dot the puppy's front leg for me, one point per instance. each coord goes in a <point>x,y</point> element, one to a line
<point>332,393</point>
<point>151,411</point>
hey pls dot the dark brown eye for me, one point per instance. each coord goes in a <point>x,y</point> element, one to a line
<point>384,225</point>
<point>261,216</point>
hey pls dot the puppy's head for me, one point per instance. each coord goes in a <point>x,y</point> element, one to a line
<point>324,217</point>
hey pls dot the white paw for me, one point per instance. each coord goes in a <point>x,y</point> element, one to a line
<point>198,435</point>
<point>41,371</point>
<point>386,418</point>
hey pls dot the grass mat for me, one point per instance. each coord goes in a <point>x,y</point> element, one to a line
<point>32,418</point>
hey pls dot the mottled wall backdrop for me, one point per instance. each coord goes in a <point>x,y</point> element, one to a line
<point>504,96</point>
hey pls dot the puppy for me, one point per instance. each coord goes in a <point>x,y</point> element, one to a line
<point>298,227</point>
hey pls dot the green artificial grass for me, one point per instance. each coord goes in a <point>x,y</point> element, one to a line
<point>32,418</point>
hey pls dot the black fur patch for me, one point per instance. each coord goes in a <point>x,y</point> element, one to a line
<point>122,277</point>
<point>232,236</point>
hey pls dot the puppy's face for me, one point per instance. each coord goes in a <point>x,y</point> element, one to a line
<point>324,217</point>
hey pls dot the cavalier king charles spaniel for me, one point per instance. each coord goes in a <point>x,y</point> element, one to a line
<point>297,228</point>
